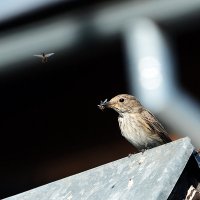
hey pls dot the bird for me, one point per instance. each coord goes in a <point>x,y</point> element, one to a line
<point>44,56</point>
<point>137,124</point>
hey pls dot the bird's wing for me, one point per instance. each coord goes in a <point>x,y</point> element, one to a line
<point>155,125</point>
<point>40,56</point>
<point>49,54</point>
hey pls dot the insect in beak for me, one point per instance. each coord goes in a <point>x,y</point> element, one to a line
<point>103,104</point>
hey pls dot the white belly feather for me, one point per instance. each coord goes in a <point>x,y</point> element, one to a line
<point>133,131</point>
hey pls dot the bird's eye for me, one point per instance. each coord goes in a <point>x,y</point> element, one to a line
<point>121,100</point>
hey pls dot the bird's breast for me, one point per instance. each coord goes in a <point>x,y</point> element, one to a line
<point>135,132</point>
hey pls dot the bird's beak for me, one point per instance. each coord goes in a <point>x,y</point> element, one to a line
<point>106,105</point>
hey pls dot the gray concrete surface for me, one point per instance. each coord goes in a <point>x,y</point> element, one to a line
<point>151,175</point>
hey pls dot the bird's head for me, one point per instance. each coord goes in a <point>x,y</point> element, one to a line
<point>121,103</point>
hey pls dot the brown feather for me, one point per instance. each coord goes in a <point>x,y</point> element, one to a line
<point>155,125</point>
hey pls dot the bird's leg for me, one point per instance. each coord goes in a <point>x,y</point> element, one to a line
<point>143,150</point>
<point>130,154</point>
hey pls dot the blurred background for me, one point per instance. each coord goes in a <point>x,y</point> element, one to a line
<point>50,124</point>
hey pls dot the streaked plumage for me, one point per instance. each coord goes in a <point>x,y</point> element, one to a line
<point>44,56</point>
<point>138,125</point>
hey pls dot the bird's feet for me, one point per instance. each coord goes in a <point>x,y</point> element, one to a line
<point>129,155</point>
<point>143,150</point>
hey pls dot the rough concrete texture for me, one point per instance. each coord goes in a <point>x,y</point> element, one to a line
<point>151,175</point>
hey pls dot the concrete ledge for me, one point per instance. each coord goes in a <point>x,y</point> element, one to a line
<point>151,175</point>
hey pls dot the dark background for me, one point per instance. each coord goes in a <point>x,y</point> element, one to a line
<point>50,124</point>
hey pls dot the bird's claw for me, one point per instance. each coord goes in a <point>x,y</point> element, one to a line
<point>129,155</point>
<point>143,150</point>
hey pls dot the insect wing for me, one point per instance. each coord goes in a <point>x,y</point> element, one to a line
<point>49,54</point>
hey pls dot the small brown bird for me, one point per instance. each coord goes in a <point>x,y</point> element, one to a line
<point>139,126</point>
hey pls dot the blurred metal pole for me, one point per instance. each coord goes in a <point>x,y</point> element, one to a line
<point>106,20</point>
<point>151,75</point>
<point>149,66</point>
